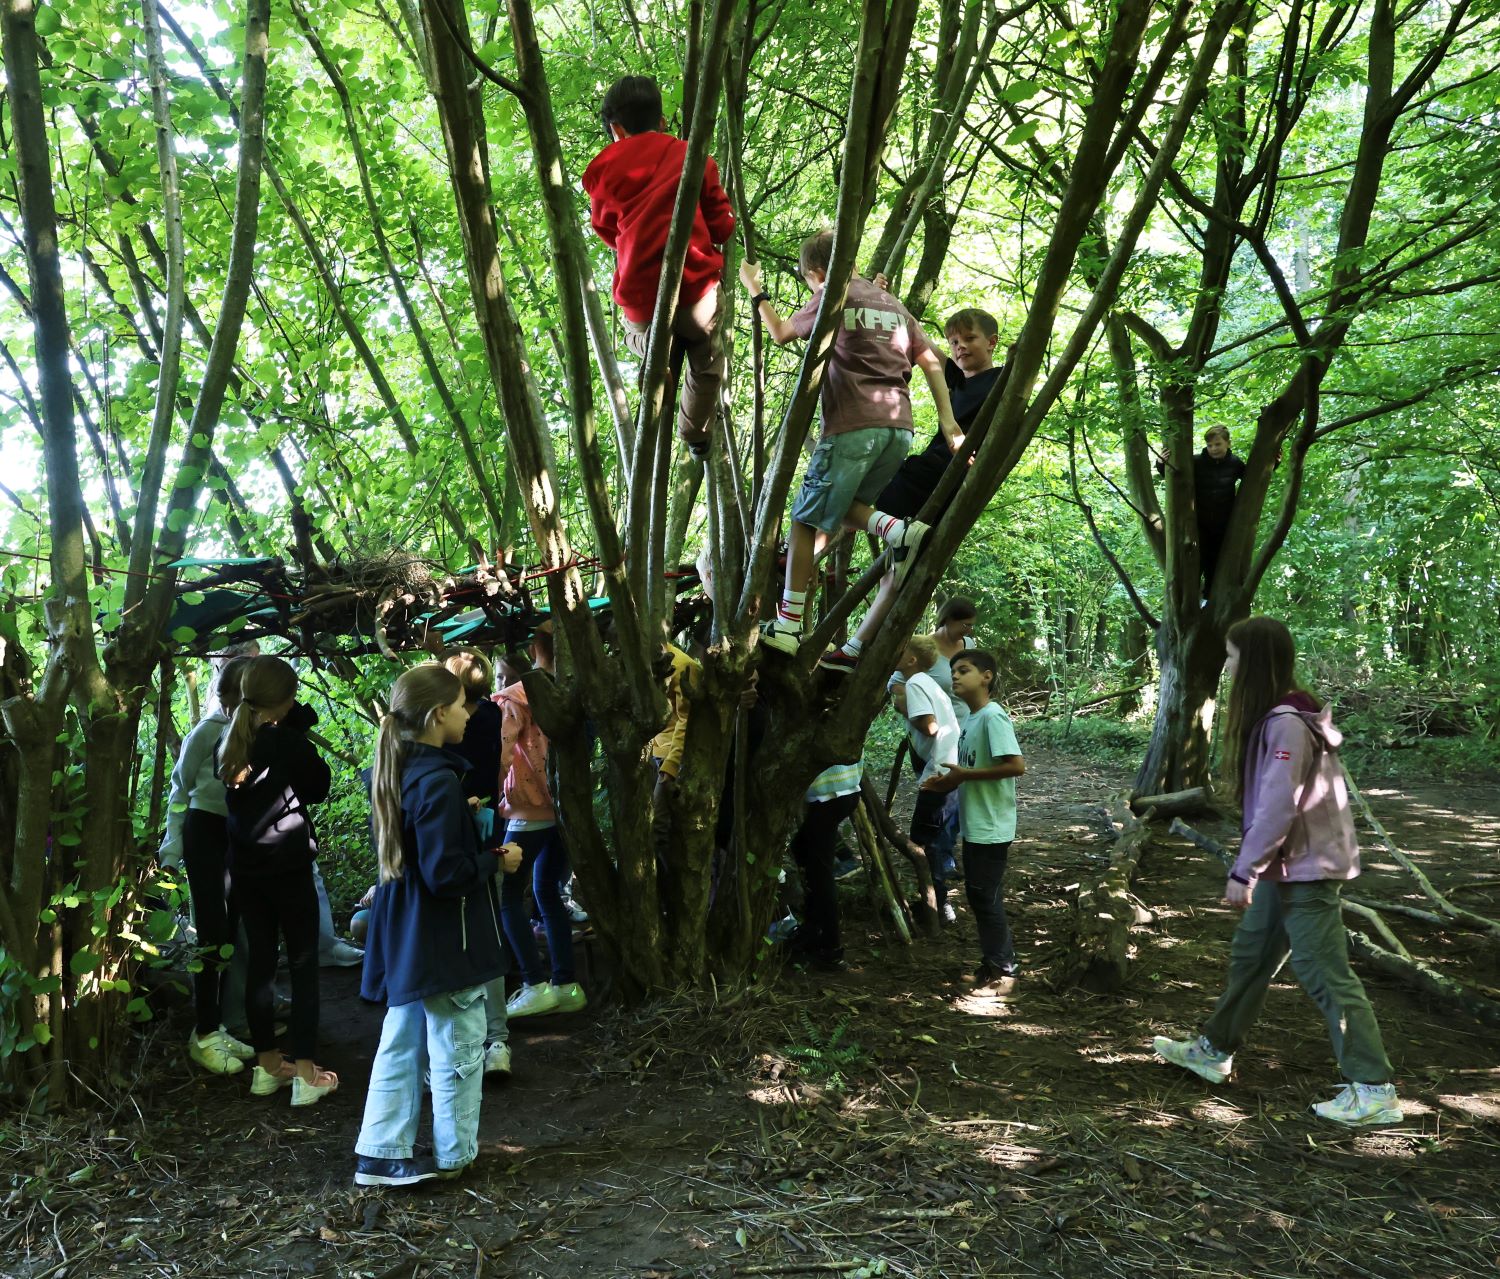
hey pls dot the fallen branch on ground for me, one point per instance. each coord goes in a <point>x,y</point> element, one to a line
<point>1397,961</point>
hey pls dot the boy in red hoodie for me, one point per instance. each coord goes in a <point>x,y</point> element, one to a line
<point>632,186</point>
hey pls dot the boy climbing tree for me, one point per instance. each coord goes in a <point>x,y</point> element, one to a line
<point>632,187</point>
<point>867,425</point>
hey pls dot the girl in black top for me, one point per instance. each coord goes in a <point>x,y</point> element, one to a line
<point>271,774</point>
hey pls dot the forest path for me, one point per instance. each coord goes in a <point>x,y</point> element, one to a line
<point>878,1121</point>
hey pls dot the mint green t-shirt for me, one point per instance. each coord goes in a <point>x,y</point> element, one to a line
<point>987,810</point>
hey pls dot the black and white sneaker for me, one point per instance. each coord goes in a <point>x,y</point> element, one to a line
<point>369,1171</point>
<point>905,547</point>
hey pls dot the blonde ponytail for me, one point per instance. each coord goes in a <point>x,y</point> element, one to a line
<point>385,798</point>
<point>415,698</point>
<point>265,682</point>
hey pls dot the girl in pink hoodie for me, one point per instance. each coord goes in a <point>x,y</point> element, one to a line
<point>1298,849</point>
<point>531,822</point>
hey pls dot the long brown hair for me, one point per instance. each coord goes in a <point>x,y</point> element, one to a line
<point>264,682</point>
<point>1267,672</point>
<point>419,693</point>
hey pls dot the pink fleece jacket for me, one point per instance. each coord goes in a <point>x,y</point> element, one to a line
<point>1298,826</point>
<point>523,760</point>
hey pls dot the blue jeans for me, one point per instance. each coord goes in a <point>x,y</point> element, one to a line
<point>932,830</point>
<point>544,862</point>
<point>443,1035</point>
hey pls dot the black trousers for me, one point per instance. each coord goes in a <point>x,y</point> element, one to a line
<point>984,879</point>
<point>814,846</point>
<point>284,905</point>
<point>205,851</point>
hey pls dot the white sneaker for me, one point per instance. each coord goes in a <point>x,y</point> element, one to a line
<point>1362,1106</point>
<point>214,1055</point>
<point>235,1047</point>
<point>1197,1055</point>
<point>575,912</point>
<point>307,1091</point>
<point>570,998</point>
<point>530,1001</point>
<point>497,1060</point>
<point>340,954</point>
<point>905,545</point>
<point>264,1084</point>
<point>950,916</point>
<point>781,637</point>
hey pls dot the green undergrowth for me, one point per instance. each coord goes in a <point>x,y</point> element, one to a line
<point>1098,738</point>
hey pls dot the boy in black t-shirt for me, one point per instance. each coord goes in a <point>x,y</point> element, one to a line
<point>971,374</point>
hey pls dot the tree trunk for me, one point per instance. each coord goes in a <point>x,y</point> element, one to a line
<point>1190,662</point>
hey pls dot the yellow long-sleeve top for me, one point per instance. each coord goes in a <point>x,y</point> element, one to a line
<point>667,744</point>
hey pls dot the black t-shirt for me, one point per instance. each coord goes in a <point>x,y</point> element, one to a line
<point>908,492</point>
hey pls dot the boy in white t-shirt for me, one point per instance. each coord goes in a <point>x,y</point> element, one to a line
<point>989,761</point>
<point>933,729</point>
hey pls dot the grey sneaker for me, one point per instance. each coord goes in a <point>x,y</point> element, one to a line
<point>1362,1106</point>
<point>1197,1055</point>
<point>497,1061</point>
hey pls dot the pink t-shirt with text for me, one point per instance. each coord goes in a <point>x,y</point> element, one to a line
<point>875,344</point>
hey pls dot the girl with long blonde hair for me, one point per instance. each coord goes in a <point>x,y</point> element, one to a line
<point>272,775</point>
<point>1298,850</point>
<point>434,937</point>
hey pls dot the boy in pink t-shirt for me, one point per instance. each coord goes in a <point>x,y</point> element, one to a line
<point>867,426</point>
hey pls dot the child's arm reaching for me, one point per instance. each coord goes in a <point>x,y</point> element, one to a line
<point>781,331</point>
<point>1005,766</point>
<point>931,364</point>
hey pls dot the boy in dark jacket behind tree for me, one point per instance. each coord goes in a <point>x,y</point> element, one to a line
<point>632,187</point>
<point>1217,472</point>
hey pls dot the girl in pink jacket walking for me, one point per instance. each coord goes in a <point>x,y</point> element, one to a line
<point>1298,849</point>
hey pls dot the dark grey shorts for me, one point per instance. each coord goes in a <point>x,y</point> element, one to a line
<point>844,469</point>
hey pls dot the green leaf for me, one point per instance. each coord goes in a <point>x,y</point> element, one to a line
<point>1022,133</point>
<point>47,21</point>
<point>43,1032</point>
<point>184,635</point>
<point>85,961</point>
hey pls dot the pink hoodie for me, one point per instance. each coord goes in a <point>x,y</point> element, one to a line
<point>523,760</point>
<point>1298,826</point>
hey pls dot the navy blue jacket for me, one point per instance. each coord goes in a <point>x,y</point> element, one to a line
<point>437,928</point>
<point>481,747</point>
<point>270,828</point>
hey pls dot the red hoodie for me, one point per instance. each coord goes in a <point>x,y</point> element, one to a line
<point>632,186</point>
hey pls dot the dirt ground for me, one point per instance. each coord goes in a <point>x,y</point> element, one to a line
<point>879,1121</point>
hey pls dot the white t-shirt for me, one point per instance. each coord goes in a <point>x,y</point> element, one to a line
<point>923,697</point>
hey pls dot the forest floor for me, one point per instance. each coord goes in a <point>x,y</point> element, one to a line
<point>879,1121</point>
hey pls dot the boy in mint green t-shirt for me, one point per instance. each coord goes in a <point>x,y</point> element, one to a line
<point>989,761</point>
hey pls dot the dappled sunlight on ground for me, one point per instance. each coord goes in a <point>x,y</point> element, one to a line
<point>887,1116</point>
